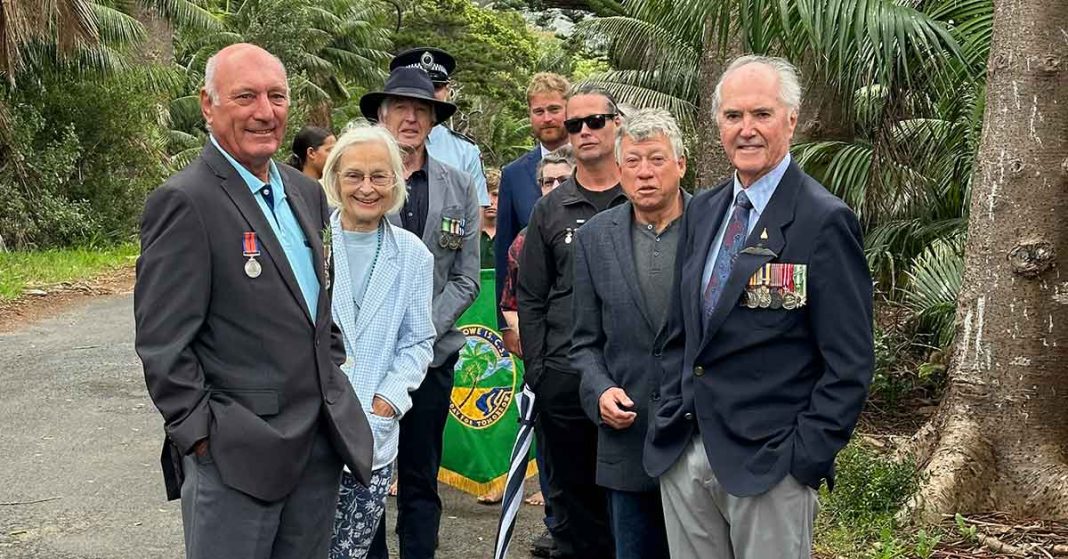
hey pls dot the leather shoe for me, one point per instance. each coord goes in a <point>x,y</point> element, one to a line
<point>543,546</point>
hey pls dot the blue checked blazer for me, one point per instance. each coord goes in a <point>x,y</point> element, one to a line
<point>388,347</point>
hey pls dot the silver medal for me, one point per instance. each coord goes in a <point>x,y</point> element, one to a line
<point>253,268</point>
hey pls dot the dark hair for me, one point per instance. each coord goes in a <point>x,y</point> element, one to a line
<point>308,137</point>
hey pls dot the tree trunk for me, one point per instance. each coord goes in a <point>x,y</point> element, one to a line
<point>712,163</point>
<point>158,47</point>
<point>1000,438</point>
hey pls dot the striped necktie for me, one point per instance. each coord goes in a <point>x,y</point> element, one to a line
<point>733,241</point>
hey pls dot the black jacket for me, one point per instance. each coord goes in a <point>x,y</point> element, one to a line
<point>545,279</point>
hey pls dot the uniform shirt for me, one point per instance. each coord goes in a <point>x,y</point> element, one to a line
<point>285,226</point>
<point>545,284</point>
<point>451,148</point>
<point>654,260</point>
<point>759,194</point>
<point>417,204</point>
<point>485,249</point>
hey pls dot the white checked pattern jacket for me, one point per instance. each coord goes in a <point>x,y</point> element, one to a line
<point>388,347</point>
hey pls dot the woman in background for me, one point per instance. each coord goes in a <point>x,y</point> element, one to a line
<point>383,284</point>
<point>311,146</point>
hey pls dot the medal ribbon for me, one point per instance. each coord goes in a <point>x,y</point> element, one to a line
<point>250,245</point>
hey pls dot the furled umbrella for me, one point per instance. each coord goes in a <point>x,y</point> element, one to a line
<point>517,469</point>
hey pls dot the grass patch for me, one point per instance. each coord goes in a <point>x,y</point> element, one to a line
<point>856,520</point>
<point>22,270</point>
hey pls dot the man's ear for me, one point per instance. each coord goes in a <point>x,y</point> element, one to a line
<point>205,106</point>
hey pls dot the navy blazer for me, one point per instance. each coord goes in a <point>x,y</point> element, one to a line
<point>515,201</point>
<point>612,343</point>
<point>772,391</point>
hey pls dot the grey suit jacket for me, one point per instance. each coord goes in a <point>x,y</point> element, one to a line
<point>456,272</point>
<point>612,343</point>
<point>234,359</point>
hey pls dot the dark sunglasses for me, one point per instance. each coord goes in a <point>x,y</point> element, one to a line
<point>594,122</point>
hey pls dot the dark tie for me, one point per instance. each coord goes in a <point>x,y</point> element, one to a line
<point>733,241</point>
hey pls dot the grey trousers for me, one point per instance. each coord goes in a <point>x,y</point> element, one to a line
<point>703,521</point>
<point>222,522</point>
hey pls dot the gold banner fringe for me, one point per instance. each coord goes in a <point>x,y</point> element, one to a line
<point>479,488</point>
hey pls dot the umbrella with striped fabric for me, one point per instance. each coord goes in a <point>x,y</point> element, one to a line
<point>513,489</point>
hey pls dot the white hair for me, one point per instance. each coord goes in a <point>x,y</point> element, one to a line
<point>354,136</point>
<point>789,79</point>
<point>644,124</point>
<point>213,65</point>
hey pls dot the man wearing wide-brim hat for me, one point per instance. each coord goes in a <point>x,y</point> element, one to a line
<point>444,143</point>
<point>442,208</point>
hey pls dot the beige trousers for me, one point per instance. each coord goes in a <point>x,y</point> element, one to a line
<point>703,521</point>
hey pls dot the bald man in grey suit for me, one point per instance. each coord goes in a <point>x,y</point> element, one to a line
<point>234,331</point>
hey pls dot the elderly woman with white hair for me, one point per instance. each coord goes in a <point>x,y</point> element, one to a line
<point>382,302</point>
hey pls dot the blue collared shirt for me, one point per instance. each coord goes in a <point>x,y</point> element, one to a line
<point>444,146</point>
<point>759,194</point>
<point>286,228</point>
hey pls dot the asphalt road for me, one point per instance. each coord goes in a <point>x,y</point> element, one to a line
<point>80,443</point>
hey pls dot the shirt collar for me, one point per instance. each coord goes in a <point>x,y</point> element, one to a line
<point>544,150</point>
<point>760,191</point>
<point>254,183</point>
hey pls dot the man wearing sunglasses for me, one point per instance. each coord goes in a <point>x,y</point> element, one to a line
<point>567,438</point>
<point>445,144</point>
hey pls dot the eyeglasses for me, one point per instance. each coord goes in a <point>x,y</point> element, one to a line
<point>550,182</point>
<point>356,178</point>
<point>594,122</point>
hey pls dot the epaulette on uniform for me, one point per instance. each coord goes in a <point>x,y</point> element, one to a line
<point>462,136</point>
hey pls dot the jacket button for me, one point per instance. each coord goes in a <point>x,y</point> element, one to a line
<point>688,416</point>
<point>655,396</point>
<point>698,371</point>
<point>316,342</point>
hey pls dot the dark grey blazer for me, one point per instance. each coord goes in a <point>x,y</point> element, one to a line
<point>456,272</point>
<point>612,343</point>
<point>234,359</point>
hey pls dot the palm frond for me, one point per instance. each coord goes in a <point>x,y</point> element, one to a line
<point>934,281</point>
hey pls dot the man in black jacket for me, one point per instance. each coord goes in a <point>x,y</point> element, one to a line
<point>568,439</point>
<point>624,263</point>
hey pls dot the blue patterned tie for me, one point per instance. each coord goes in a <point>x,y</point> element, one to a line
<point>733,241</point>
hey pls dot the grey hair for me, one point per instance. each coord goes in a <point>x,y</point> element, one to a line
<point>644,124</point>
<point>389,101</point>
<point>564,154</point>
<point>353,137</point>
<point>590,88</point>
<point>213,65</point>
<point>789,79</point>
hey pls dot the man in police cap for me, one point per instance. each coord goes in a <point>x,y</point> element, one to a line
<point>444,143</point>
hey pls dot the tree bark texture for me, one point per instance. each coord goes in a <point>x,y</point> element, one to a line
<point>158,47</point>
<point>1000,438</point>
<point>712,163</point>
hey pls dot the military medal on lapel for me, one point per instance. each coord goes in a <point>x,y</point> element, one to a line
<point>777,285</point>
<point>251,249</point>
<point>570,233</point>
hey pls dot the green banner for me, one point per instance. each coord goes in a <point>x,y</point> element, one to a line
<point>483,415</point>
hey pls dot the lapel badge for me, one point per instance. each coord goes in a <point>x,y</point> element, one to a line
<point>250,248</point>
<point>569,235</point>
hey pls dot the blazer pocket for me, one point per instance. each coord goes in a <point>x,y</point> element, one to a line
<point>771,319</point>
<point>260,401</point>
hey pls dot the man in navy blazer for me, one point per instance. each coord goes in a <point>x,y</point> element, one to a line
<point>519,190</point>
<point>768,356</point>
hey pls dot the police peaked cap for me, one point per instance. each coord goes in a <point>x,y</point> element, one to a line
<point>435,62</point>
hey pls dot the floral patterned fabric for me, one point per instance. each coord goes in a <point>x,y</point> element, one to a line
<point>359,510</point>
<point>511,278</point>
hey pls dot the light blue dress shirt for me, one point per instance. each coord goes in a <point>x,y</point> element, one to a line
<point>286,229</point>
<point>759,194</point>
<point>444,146</point>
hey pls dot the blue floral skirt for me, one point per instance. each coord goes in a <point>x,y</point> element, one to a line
<point>359,510</point>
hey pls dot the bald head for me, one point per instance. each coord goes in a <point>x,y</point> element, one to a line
<point>236,54</point>
<point>245,102</point>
